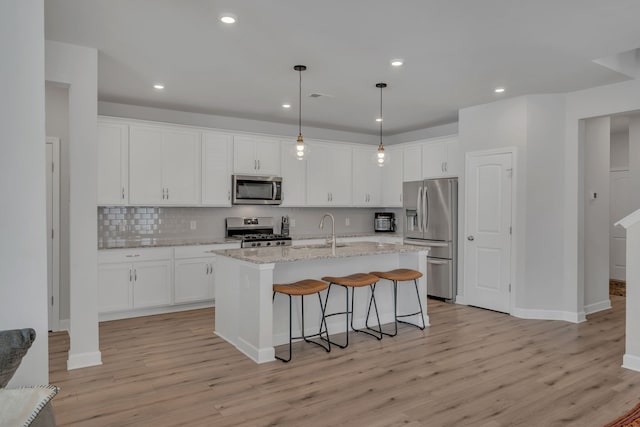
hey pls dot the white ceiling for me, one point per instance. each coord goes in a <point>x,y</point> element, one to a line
<point>455,52</point>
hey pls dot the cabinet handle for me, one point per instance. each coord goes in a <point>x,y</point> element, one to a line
<point>130,275</point>
<point>122,193</point>
<point>258,164</point>
<point>167,194</point>
<point>206,269</point>
<point>446,166</point>
<point>331,196</point>
<point>255,164</point>
<point>163,194</point>
<point>328,199</point>
<point>135,274</point>
<point>229,195</point>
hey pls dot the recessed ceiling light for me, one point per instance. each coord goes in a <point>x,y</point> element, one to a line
<point>228,18</point>
<point>499,90</point>
<point>397,62</point>
<point>379,119</point>
<point>158,86</point>
<point>286,105</point>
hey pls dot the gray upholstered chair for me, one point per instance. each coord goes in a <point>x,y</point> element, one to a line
<point>24,406</point>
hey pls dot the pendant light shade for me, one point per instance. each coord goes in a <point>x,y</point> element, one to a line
<point>381,155</point>
<point>300,140</point>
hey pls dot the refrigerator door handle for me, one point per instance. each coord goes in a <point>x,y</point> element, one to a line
<point>436,262</point>
<point>418,209</point>
<point>425,209</point>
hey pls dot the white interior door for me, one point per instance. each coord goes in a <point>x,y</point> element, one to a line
<point>53,247</point>
<point>621,206</point>
<point>487,257</point>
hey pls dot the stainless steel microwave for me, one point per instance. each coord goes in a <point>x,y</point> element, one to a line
<point>256,190</point>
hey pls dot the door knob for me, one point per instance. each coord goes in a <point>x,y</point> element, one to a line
<point>470,238</point>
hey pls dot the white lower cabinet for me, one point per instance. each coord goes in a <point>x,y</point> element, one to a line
<point>193,268</point>
<point>133,279</point>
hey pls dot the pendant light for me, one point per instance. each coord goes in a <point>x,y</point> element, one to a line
<point>300,141</point>
<point>381,158</point>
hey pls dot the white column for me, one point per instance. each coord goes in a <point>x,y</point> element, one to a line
<point>631,359</point>
<point>77,67</point>
<point>23,247</point>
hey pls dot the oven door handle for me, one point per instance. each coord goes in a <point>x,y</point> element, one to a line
<point>275,190</point>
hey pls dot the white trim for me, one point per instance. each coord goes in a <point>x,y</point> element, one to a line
<point>629,220</point>
<point>460,300</point>
<point>622,169</point>
<point>84,360</point>
<point>258,355</point>
<point>514,226</point>
<point>567,316</point>
<point>598,306</point>
<point>55,219</point>
<point>629,361</point>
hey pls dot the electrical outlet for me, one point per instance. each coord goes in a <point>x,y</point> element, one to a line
<point>347,221</point>
<point>193,225</point>
<point>292,222</point>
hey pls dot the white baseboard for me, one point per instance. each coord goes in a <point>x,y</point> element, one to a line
<point>84,360</point>
<point>105,317</point>
<point>567,316</point>
<point>598,306</point>
<point>629,361</point>
<point>461,300</point>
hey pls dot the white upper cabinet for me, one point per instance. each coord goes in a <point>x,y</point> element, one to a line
<point>113,163</point>
<point>412,162</point>
<point>294,175</point>
<point>440,158</point>
<point>328,175</point>
<point>392,174</point>
<point>255,155</point>
<point>367,177</point>
<point>216,169</point>
<point>164,166</point>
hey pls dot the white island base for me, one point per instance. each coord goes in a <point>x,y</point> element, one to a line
<point>247,317</point>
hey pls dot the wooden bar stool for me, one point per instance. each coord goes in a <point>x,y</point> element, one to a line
<point>302,288</point>
<point>354,281</point>
<point>401,275</point>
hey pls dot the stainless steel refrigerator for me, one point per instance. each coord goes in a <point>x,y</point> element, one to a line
<point>431,209</point>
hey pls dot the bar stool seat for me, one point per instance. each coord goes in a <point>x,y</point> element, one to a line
<point>302,288</point>
<point>401,275</point>
<point>353,281</point>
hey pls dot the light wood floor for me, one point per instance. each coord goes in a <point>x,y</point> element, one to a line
<point>472,367</point>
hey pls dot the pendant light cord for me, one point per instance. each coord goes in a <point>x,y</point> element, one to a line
<point>381,115</point>
<point>300,103</point>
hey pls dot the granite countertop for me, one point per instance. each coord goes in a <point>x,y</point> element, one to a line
<point>305,253</point>
<point>158,243</point>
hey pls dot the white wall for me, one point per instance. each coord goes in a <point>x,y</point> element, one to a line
<point>417,135</point>
<point>57,124</point>
<point>620,150</point>
<point>634,159</point>
<point>23,247</point>
<point>596,214</point>
<point>77,67</point>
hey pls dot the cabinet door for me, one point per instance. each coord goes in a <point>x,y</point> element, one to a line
<point>268,157</point>
<point>145,166</point>
<point>244,155</point>
<point>318,175</point>
<point>412,162</point>
<point>113,164</point>
<point>181,167</point>
<point>367,177</point>
<point>392,179</point>
<point>193,280</point>
<point>453,163</point>
<point>216,169</point>
<point>152,284</point>
<point>294,176</point>
<point>114,287</point>
<point>434,155</point>
<point>338,169</point>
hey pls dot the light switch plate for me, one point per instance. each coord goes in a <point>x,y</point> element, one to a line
<point>193,225</point>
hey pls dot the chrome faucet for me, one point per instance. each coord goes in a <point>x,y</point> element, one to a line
<point>331,240</point>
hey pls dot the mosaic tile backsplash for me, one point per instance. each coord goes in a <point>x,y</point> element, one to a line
<point>118,226</point>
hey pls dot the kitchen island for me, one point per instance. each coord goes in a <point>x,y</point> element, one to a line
<point>247,317</point>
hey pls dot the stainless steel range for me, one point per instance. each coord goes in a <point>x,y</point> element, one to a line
<point>255,232</point>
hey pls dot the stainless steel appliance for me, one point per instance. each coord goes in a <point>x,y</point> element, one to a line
<point>384,221</point>
<point>256,190</point>
<point>255,232</point>
<point>431,208</point>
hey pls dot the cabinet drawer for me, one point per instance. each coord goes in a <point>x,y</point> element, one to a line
<point>134,255</point>
<point>200,251</point>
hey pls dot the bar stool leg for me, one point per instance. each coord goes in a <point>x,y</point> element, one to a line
<point>378,334</point>
<point>415,283</point>
<point>328,348</point>
<point>290,334</point>
<point>395,311</point>
<point>346,313</point>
